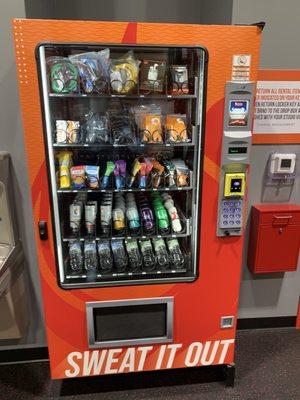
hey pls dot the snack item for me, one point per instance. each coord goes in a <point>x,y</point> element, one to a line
<point>76,259</point>
<point>110,166</point>
<point>92,176</point>
<point>120,174</point>
<point>63,75</point>
<point>90,212</point>
<point>106,214</point>
<point>78,177</point>
<point>135,169</point>
<point>182,172</point>
<point>124,74</point>
<point>157,173</point>
<point>64,162</point>
<point>105,256</point>
<point>152,76</point>
<point>151,128</point>
<point>180,84</point>
<point>170,169</point>
<point>176,131</point>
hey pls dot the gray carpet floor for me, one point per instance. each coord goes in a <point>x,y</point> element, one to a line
<point>267,368</point>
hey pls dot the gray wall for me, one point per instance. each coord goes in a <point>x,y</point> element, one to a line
<point>11,140</point>
<point>272,295</point>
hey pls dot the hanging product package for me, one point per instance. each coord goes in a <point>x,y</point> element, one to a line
<point>151,128</point>
<point>95,128</point>
<point>180,81</point>
<point>67,131</point>
<point>182,172</point>
<point>93,70</point>
<point>176,128</point>
<point>152,76</point>
<point>63,75</point>
<point>124,73</point>
<point>122,128</point>
<point>78,177</point>
<point>92,176</point>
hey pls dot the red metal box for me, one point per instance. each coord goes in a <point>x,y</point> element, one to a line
<point>274,238</point>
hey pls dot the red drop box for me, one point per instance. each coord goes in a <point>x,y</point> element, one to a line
<point>274,238</point>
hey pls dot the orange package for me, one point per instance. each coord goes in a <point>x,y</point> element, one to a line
<point>151,128</point>
<point>176,128</point>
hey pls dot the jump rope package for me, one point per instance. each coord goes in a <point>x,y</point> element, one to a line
<point>124,74</point>
<point>122,128</point>
<point>95,128</point>
<point>63,75</point>
<point>93,70</point>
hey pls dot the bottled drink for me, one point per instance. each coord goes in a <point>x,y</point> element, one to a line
<point>105,256</point>
<point>106,214</point>
<point>146,215</point>
<point>90,256</point>
<point>119,255</point>
<point>76,259</point>
<point>149,259</point>
<point>161,253</point>
<point>135,259</point>
<point>161,215</point>
<point>75,211</point>
<point>173,213</point>
<point>175,253</point>
<point>90,212</point>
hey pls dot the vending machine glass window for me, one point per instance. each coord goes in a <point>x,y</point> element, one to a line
<point>122,132</point>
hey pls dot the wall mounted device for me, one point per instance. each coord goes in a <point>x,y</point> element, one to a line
<point>235,157</point>
<point>282,165</point>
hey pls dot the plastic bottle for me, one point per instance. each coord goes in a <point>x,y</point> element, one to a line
<point>105,256</point>
<point>175,253</point>
<point>149,259</point>
<point>135,259</point>
<point>161,253</point>
<point>76,259</point>
<point>119,255</point>
<point>90,256</point>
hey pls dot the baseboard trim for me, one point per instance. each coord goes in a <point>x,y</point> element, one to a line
<point>264,323</point>
<point>32,354</point>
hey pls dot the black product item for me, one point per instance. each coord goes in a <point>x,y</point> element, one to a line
<point>95,128</point>
<point>122,128</point>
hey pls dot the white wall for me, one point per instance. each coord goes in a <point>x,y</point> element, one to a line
<point>277,294</point>
<point>11,140</point>
<point>280,45</point>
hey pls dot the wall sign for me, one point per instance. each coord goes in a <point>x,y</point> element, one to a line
<point>277,107</point>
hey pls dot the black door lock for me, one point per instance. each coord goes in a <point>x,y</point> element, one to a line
<point>43,230</point>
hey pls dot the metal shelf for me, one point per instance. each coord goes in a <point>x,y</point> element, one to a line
<point>111,146</point>
<point>159,189</point>
<point>124,96</point>
<point>128,237</point>
<point>126,274</point>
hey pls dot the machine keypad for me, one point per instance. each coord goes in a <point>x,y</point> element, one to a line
<point>231,214</point>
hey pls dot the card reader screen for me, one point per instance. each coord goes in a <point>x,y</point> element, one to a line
<point>236,185</point>
<point>237,150</point>
<point>238,112</point>
<point>286,163</point>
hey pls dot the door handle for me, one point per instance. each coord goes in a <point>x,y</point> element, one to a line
<point>43,230</point>
<point>283,216</point>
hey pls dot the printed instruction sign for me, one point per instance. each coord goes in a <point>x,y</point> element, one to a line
<point>277,107</point>
<point>241,64</point>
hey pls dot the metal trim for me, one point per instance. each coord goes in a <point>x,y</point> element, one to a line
<point>93,344</point>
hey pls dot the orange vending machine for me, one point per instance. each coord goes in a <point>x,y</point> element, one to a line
<point>138,138</point>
